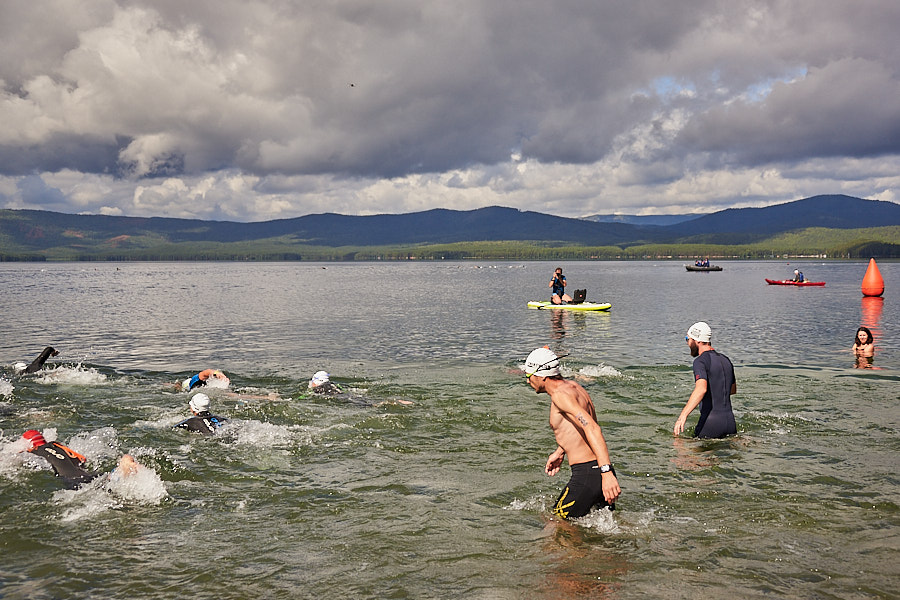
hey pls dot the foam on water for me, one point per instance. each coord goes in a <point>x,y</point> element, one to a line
<point>97,445</point>
<point>600,370</point>
<point>6,388</point>
<point>77,375</point>
<point>110,492</point>
<point>264,435</point>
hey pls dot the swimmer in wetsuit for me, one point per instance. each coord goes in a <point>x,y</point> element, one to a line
<point>321,384</point>
<point>202,420</point>
<point>714,384</point>
<point>202,378</point>
<point>38,363</point>
<point>578,437</point>
<point>67,464</point>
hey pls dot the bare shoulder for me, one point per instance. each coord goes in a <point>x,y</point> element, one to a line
<point>569,395</point>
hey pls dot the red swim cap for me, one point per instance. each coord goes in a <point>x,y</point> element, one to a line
<point>35,437</point>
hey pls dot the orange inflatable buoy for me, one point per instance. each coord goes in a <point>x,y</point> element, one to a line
<point>872,283</point>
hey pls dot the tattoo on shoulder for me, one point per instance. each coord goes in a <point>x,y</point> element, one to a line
<point>581,419</point>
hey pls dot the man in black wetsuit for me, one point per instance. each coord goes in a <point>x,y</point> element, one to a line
<point>67,464</point>
<point>714,384</point>
<point>70,465</point>
<point>38,363</point>
<point>202,421</point>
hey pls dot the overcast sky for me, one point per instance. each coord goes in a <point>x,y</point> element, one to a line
<point>250,110</point>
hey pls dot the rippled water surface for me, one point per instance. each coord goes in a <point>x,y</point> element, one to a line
<point>369,496</point>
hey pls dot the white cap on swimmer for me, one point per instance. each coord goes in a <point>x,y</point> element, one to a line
<point>200,403</point>
<point>542,362</point>
<point>318,379</point>
<point>700,332</point>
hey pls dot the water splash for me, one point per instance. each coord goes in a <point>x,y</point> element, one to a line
<point>77,375</point>
<point>600,370</point>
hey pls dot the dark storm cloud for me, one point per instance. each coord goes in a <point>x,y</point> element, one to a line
<point>277,108</point>
<point>839,110</point>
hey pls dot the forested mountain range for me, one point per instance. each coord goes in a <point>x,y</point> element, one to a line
<point>29,234</point>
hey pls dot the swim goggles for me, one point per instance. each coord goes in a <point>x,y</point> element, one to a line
<point>539,367</point>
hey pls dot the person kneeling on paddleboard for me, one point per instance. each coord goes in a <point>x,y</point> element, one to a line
<point>558,287</point>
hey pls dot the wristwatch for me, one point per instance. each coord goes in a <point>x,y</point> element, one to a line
<point>605,468</point>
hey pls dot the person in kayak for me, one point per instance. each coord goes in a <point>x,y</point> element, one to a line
<point>558,284</point>
<point>714,384</point>
<point>68,464</point>
<point>798,276</point>
<point>578,437</point>
<point>202,420</point>
<point>203,378</point>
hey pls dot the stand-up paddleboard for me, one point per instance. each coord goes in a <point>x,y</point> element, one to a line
<point>582,306</point>
<point>797,283</point>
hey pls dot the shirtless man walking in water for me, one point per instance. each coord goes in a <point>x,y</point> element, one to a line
<point>574,423</point>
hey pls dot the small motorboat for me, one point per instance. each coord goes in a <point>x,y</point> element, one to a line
<point>703,269</point>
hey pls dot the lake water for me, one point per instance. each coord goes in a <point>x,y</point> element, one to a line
<point>368,497</point>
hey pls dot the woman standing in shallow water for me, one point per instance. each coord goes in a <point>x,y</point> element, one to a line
<point>864,343</point>
<point>864,348</point>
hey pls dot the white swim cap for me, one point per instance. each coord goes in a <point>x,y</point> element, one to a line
<point>318,379</point>
<point>700,332</point>
<point>796,271</point>
<point>200,403</point>
<point>542,362</point>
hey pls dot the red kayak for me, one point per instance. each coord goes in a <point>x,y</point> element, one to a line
<point>797,283</point>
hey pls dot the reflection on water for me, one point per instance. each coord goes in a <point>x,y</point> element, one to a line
<point>871,308</point>
<point>370,497</point>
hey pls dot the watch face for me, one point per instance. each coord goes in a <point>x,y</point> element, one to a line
<point>605,469</point>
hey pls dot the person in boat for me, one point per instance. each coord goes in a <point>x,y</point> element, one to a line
<point>203,378</point>
<point>201,421</point>
<point>557,285</point>
<point>38,363</point>
<point>864,343</point>
<point>798,276</point>
<point>714,384</point>
<point>579,438</point>
<point>69,465</point>
<point>320,383</point>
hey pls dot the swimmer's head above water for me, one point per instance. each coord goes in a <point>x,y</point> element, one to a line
<point>318,378</point>
<point>542,362</point>
<point>35,439</point>
<point>199,403</point>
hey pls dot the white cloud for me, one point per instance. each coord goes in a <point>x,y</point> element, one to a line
<point>262,110</point>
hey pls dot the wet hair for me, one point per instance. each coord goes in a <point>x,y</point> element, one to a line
<point>870,340</point>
